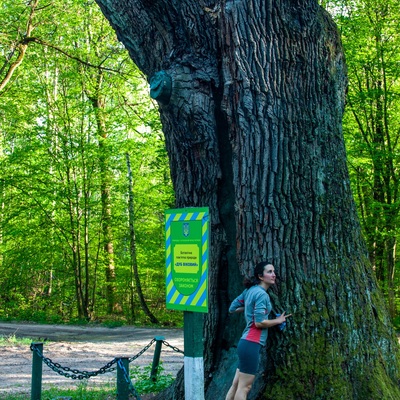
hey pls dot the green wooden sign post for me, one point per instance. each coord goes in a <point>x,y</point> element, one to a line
<point>186,249</point>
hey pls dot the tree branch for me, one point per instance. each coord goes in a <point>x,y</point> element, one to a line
<point>72,57</point>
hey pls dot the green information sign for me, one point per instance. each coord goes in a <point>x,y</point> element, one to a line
<point>186,247</point>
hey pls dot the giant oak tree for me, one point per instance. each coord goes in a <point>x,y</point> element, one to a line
<point>251,96</point>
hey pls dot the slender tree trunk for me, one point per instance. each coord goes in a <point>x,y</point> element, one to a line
<point>76,267</point>
<point>134,265</point>
<point>2,208</point>
<point>251,96</point>
<point>81,276</point>
<point>89,278</point>
<point>391,266</point>
<point>20,46</point>
<point>104,154</point>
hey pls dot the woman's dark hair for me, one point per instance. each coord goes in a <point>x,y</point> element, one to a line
<point>258,270</point>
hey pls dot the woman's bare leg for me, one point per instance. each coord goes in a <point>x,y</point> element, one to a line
<point>240,387</point>
<point>244,386</point>
<point>232,391</point>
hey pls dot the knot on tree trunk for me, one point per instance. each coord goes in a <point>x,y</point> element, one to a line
<point>161,87</point>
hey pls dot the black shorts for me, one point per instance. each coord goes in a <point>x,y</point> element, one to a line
<point>249,356</point>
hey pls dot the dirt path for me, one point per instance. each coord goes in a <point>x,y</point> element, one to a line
<point>82,348</point>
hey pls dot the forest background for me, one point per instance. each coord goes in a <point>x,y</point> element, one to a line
<point>84,174</point>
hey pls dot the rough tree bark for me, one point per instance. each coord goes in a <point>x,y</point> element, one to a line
<point>251,95</point>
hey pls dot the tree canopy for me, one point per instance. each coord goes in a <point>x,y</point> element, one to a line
<point>70,112</point>
<point>370,33</point>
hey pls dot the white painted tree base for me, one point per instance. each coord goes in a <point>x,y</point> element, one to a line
<point>194,378</point>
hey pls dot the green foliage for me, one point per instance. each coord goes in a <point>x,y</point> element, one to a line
<point>144,384</point>
<point>396,323</point>
<point>73,109</point>
<point>103,391</point>
<point>112,324</point>
<point>13,340</point>
<point>371,38</point>
<point>81,392</point>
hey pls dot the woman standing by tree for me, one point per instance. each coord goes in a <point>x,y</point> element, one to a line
<point>256,304</point>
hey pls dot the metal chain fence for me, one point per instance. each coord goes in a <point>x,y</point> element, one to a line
<point>172,347</point>
<point>109,367</point>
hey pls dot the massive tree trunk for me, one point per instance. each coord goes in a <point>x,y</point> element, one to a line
<point>251,95</point>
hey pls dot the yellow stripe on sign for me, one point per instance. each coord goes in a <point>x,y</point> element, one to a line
<point>170,286</point>
<point>184,300</point>
<point>174,297</point>
<point>204,267</point>
<point>177,217</point>
<point>188,216</point>
<point>200,292</point>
